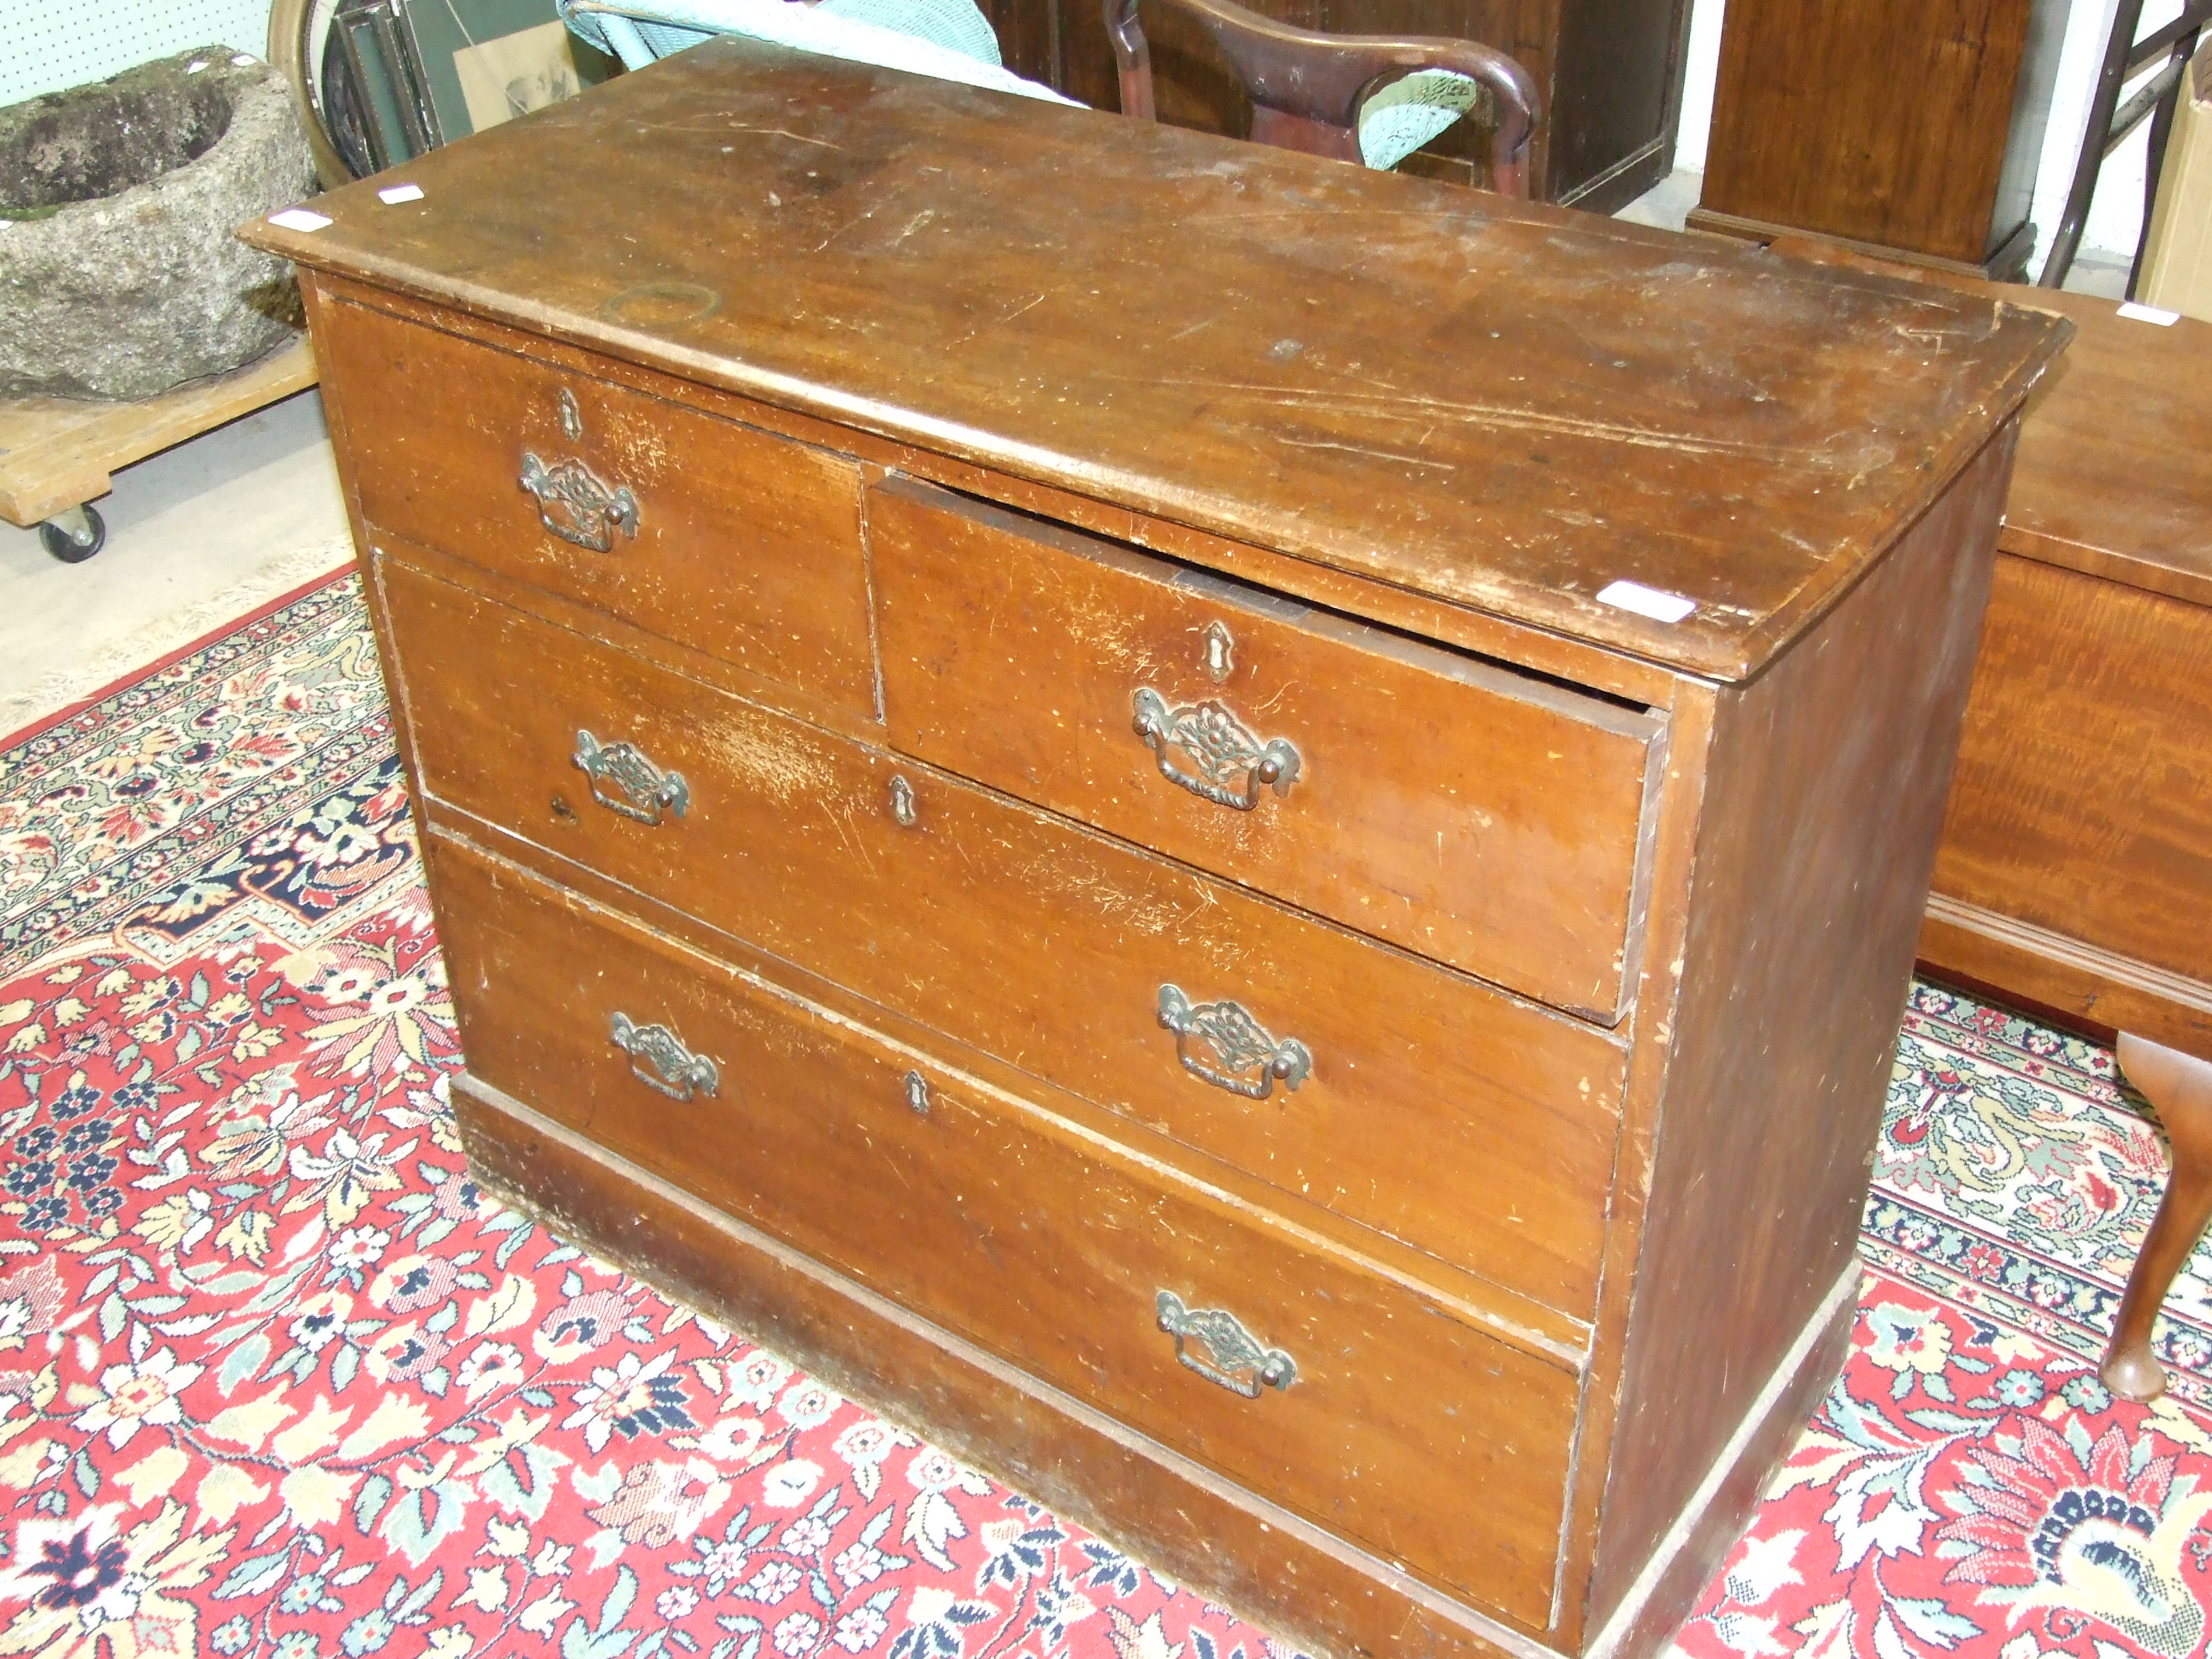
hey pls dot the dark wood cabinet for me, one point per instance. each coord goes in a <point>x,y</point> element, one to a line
<point>1610,71</point>
<point>1907,128</point>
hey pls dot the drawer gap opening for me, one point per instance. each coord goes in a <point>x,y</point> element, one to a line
<point>1204,579</point>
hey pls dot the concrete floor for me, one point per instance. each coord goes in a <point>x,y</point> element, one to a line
<point>214,527</point>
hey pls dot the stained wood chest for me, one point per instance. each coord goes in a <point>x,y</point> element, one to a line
<point>1039,785</point>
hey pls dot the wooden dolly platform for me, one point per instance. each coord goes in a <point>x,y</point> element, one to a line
<point>57,455</point>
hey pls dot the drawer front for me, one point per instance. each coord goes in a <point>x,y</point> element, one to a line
<point>1393,1423</point>
<point>744,546</point>
<point>1429,1107</point>
<point>1476,816</point>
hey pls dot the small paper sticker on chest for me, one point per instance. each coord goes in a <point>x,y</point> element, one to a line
<point>298,219</point>
<point>1651,602</point>
<point>393,195</point>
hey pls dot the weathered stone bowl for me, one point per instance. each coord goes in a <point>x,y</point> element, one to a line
<point>119,277</point>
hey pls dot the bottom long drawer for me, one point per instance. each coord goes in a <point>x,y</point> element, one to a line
<point>1207,1324</point>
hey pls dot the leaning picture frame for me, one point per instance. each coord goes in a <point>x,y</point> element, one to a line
<point>483,62</point>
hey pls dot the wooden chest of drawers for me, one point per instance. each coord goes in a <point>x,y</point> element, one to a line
<point>1035,789</point>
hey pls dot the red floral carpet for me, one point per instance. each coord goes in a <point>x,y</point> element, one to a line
<point>274,1383</point>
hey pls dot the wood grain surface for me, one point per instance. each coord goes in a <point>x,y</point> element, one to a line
<point>1826,795</point>
<point>1438,1111</point>
<point>2101,695</point>
<point>2115,468</point>
<point>1889,122</point>
<point>1047,1246</point>
<point>1502,405</point>
<point>2115,458</point>
<point>746,546</point>
<point>2076,863</point>
<point>1488,819</point>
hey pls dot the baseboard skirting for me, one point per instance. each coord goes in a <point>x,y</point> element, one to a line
<point>1636,158</point>
<point>2006,262</point>
<point>2069,976</point>
<point>1690,1549</point>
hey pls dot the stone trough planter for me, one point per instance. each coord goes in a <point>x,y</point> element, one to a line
<point>119,277</point>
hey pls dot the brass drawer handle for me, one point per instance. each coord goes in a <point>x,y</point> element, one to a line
<point>1231,1358</point>
<point>647,792</point>
<point>589,512</point>
<point>677,1071</point>
<point>1219,746</point>
<point>1238,1041</point>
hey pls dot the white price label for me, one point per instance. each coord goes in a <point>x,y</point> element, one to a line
<point>1652,602</point>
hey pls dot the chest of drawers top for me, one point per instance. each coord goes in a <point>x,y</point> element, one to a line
<point>1498,405</point>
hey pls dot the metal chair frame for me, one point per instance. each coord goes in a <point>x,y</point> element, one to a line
<point>2110,122</point>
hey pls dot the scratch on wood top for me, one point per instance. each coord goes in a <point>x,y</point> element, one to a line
<point>1867,455</point>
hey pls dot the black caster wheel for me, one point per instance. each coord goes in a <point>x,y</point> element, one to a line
<point>74,536</point>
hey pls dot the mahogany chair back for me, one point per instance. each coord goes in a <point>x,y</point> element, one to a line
<point>1307,87</point>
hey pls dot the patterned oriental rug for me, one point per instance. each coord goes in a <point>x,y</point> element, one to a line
<point>275,1381</point>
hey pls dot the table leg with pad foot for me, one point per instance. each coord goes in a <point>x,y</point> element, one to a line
<point>2180,1087</point>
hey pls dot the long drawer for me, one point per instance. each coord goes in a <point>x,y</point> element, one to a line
<point>1346,1397</point>
<point>1485,817</point>
<point>723,538</point>
<point>1421,1103</point>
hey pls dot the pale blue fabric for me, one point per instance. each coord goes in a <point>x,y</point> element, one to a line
<point>950,39</point>
<point>956,25</point>
<point>1406,114</point>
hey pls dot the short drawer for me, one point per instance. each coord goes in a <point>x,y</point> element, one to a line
<point>1417,1101</point>
<point>1485,817</point>
<point>1360,1403</point>
<point>733,542</point>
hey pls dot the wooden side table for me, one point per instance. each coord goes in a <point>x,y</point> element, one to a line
<point>2075,870</point>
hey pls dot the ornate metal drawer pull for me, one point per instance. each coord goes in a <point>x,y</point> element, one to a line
<point>647,791</point>
<point>589,512</point>
<point>677,1071</point>
<point>1221,748</point>
<point>1231,1358</point>
<point>1238,1041</point>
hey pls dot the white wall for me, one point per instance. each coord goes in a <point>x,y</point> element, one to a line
<point>48,44</point>
<point>1696,83</point>
<point>2115,216</point>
